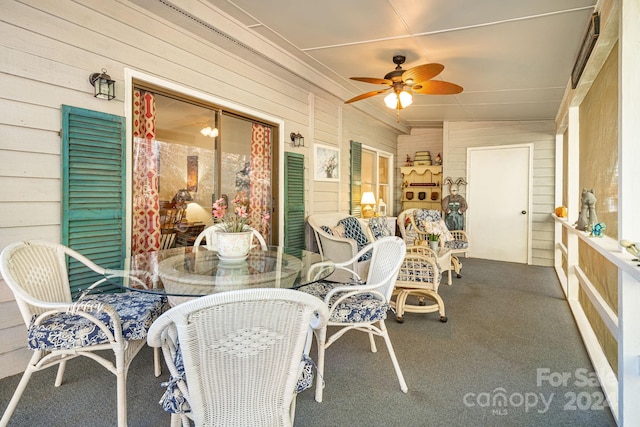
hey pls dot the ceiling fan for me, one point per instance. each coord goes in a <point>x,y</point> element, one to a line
<point>405,82</point>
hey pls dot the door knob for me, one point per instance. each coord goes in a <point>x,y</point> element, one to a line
<point>523,212</point>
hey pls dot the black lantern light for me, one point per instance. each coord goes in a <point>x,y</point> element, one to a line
<point>297,140</point>
<point>104,87</point>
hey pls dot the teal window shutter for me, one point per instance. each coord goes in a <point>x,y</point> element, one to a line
<point>93,191</point>
<point>294,201</point>
<point>356,178</point>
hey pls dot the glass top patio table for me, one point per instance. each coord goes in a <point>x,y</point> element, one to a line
<point>193,272</point>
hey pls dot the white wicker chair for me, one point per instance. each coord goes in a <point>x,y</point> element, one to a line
<point>236,357</point>
<point>456,240</point>
<point>362,307</point>
<point>419,277</point>
<point>340,248</point>
<point>60,329</point>
<point>209,235</point>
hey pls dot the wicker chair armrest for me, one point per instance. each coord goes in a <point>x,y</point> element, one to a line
<point>459,235</point>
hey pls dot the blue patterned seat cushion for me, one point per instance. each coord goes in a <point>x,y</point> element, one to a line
<point>357,308</point>
<point>174,402</point>
<point>378,227</point>
<point>137,311</point>
<point>456,244</point>
<point>352,230</point>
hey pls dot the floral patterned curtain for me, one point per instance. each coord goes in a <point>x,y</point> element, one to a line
<point>260,186</point>
<point>146,207</point>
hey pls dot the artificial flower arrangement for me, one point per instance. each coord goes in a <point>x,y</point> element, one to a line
<point>329,166</point>
<point>234,220</point>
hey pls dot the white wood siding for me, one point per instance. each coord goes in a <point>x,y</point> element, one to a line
<point>458,136</point>
<point>47,53</point>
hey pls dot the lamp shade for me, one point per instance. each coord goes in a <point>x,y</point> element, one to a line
<point>182,196</point>
<point>368,198</point>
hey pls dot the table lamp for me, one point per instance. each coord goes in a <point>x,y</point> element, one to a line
<point>368,199</point>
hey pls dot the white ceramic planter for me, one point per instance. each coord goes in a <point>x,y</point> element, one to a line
<point>233,246</point>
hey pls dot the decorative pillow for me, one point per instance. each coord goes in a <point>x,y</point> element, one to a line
<point>378,227</point>
<point>439,228</point>
<point>338,230</point>
<point>352,230</point>
<point>421,215</point>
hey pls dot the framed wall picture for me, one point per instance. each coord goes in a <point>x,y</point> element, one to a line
<point>326,163</point>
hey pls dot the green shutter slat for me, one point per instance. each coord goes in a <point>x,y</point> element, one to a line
<point>356,178</point>
<point>93,191</point>
<point>294,221</point>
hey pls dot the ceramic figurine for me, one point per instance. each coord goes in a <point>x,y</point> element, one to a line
<point>587,216</point>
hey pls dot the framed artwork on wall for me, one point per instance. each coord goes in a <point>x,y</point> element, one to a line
<point>326,164</point>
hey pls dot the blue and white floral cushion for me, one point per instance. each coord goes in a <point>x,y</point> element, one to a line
<point>456,244</point>
<point>357,308</point>
<point>174,402</point>
<point>378,227</point>
<point>137,311</point>
<point>352,230</point>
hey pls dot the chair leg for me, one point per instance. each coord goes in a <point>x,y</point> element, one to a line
<point>60,373</point>
<point>13,403</point>
<point>457,265</point>
<point>320,340</point>
<point>392,354</point>
<point>121,386</point>
<point>374,349</point>
<point>401,300</point>
<point>157,367</point>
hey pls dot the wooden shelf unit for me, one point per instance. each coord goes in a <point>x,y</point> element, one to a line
<point>429,182</point>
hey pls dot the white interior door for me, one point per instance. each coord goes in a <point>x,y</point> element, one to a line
<point>499,199</point>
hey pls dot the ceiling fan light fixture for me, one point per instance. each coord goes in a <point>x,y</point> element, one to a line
<point>398,101</point>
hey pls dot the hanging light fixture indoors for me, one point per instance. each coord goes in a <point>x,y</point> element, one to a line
<point>209,131</point>
<point>104,87</point>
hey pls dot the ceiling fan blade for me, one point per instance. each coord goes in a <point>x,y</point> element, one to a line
<point>365,96</point>
<point>373,80</point>
<point>421,73</point>
<point>437,87</point>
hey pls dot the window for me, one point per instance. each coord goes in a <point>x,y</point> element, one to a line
<point>376,174</point>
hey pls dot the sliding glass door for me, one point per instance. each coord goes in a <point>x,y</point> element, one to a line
<point>187,155</point>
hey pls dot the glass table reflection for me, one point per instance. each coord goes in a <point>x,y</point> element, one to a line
<point>188,272</point>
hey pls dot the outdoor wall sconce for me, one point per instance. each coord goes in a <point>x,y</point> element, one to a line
<point>297,140</point>
<point>104,87</point>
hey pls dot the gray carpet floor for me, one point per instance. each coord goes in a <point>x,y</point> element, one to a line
<point>510,355</point>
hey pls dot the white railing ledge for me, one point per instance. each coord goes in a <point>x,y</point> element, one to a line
<point>607,247</point>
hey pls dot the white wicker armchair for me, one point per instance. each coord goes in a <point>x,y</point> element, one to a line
<point>60,329</point>
<point>341,248</point>
<point>209,237</point>
<point>236,357</point>
<point>361,307</point>
<point>456,240</point>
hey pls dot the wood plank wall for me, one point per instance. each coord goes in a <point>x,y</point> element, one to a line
<point>47,53</point>
<point>458,136</point>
